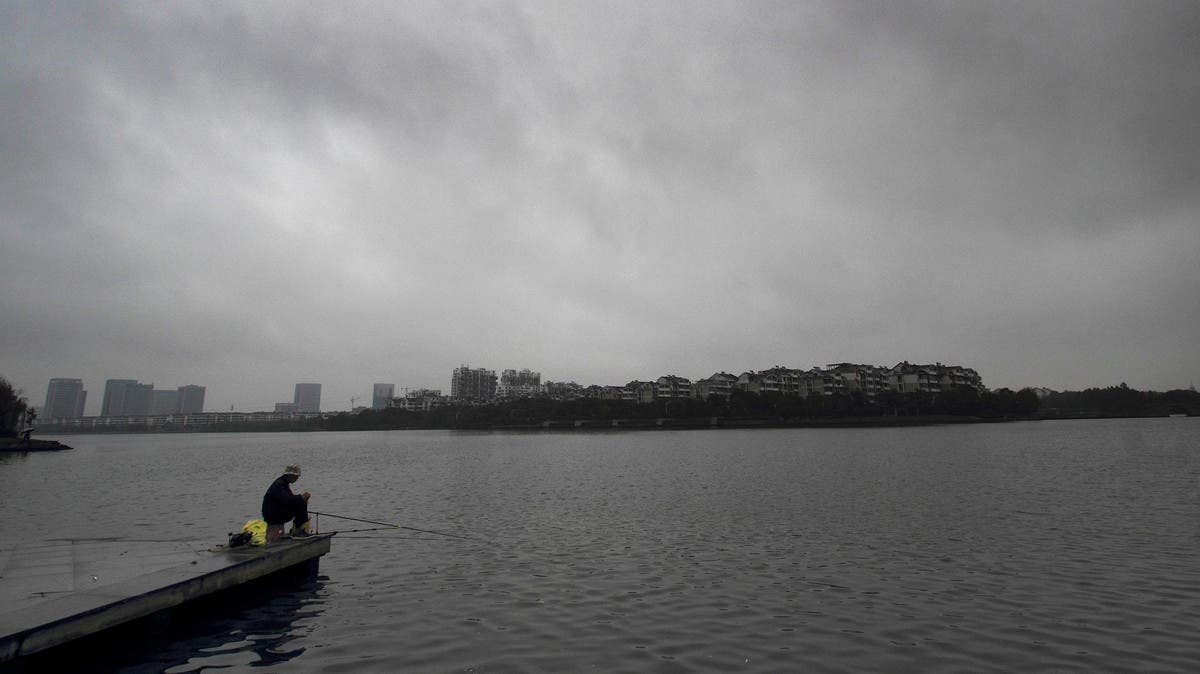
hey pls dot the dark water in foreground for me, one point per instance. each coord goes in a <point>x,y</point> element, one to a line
<point>1052,546</point>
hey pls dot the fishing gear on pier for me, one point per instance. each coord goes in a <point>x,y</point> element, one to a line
<point>388,525</point>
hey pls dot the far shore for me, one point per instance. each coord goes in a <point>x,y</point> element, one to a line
<point>602,425</point>
<point>584,425</point>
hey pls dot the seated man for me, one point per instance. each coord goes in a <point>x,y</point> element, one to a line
<point>280,504</point>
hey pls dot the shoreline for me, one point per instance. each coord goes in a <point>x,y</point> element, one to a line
<point>627,424</point>
<point>624,424</point>
<point>19,445</point>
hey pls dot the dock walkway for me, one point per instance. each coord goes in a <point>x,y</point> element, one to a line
<point>53,592</point>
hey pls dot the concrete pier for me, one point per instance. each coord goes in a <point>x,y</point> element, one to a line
<point>53,592</point>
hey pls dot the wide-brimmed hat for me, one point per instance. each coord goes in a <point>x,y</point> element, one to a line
<point>292,470</point>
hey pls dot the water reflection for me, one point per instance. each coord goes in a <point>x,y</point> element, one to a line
<point>8,456</point>
<point>243,631</point>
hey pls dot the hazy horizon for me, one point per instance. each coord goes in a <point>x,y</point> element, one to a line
<point>244,196</point>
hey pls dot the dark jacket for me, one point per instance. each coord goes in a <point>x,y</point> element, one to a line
<point>280,504</point>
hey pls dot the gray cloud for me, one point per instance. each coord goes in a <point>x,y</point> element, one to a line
<point>246,195</point>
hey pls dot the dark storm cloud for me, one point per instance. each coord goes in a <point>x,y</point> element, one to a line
<point>249,195</point>
<point>1091,100</point>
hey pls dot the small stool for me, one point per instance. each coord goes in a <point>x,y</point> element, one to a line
<point>274,532</point>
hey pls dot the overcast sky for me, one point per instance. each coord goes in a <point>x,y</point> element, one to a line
<point>249,195</point>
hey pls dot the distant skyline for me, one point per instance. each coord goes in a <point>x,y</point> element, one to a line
<point>307,396</point>
<point>251,195</point>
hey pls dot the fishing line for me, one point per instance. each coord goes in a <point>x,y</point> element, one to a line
<point>382,526</point>
<point>399,526</point>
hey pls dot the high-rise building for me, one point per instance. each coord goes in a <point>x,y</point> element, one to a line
<point>523,384</point>
<point>308,398</point>
<point>164,402</point>
<point>191,399</point>
<point>138,399</point>
<point>126,397</point>
<point>468,384</point>
<point>64,399</point>
<point>114,397</point>
<point>381,396</point>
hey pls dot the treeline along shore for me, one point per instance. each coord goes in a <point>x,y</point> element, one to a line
<point>741,409</point>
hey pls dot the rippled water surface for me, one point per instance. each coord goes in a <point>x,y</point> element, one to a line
<point>1052,546</point>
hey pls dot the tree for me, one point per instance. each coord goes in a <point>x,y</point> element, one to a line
<point>1027,403</point>
<point>891,401</point>
<point>961,401</point>
<point>12,408</point>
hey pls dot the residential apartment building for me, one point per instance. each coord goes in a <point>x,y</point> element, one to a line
<point>814,382</point>
<point>522,384</point>
<point>955,375</point>
<point>307,398</point>
<point>568,390</point>
<point>420,400</point>
<point>113,403</point>
<point>130,398</point>
<point>164,402</point>
<point>65,399</point>
<point>191,399</point>
<point>639,391</point>
<point>777,380</point>
<point>669,386</point>
<point>869,380</point>
<point>907,378</point>
<point>596,392</point>
<point>468,384</point>
<point>720,384</point>
<point>852,378</point>
<point>381,396</point>
<point>784,380</point>
<point>126,397</point>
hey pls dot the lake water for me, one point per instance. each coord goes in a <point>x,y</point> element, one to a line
<point>1043,546</point>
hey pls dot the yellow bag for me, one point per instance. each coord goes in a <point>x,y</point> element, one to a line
<point>257,530</point>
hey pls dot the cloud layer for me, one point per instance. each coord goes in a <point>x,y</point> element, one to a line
<point>248,195</point>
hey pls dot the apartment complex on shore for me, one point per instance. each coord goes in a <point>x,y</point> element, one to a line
<point>479,385</point>
<point>472,385</point>
<point>129,402</point>
<point>65,399</point>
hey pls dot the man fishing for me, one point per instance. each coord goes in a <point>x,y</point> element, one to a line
<point>280,504</point>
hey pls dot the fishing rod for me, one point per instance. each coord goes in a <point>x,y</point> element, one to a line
<point>370,537</point>
<point>397,526</point>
